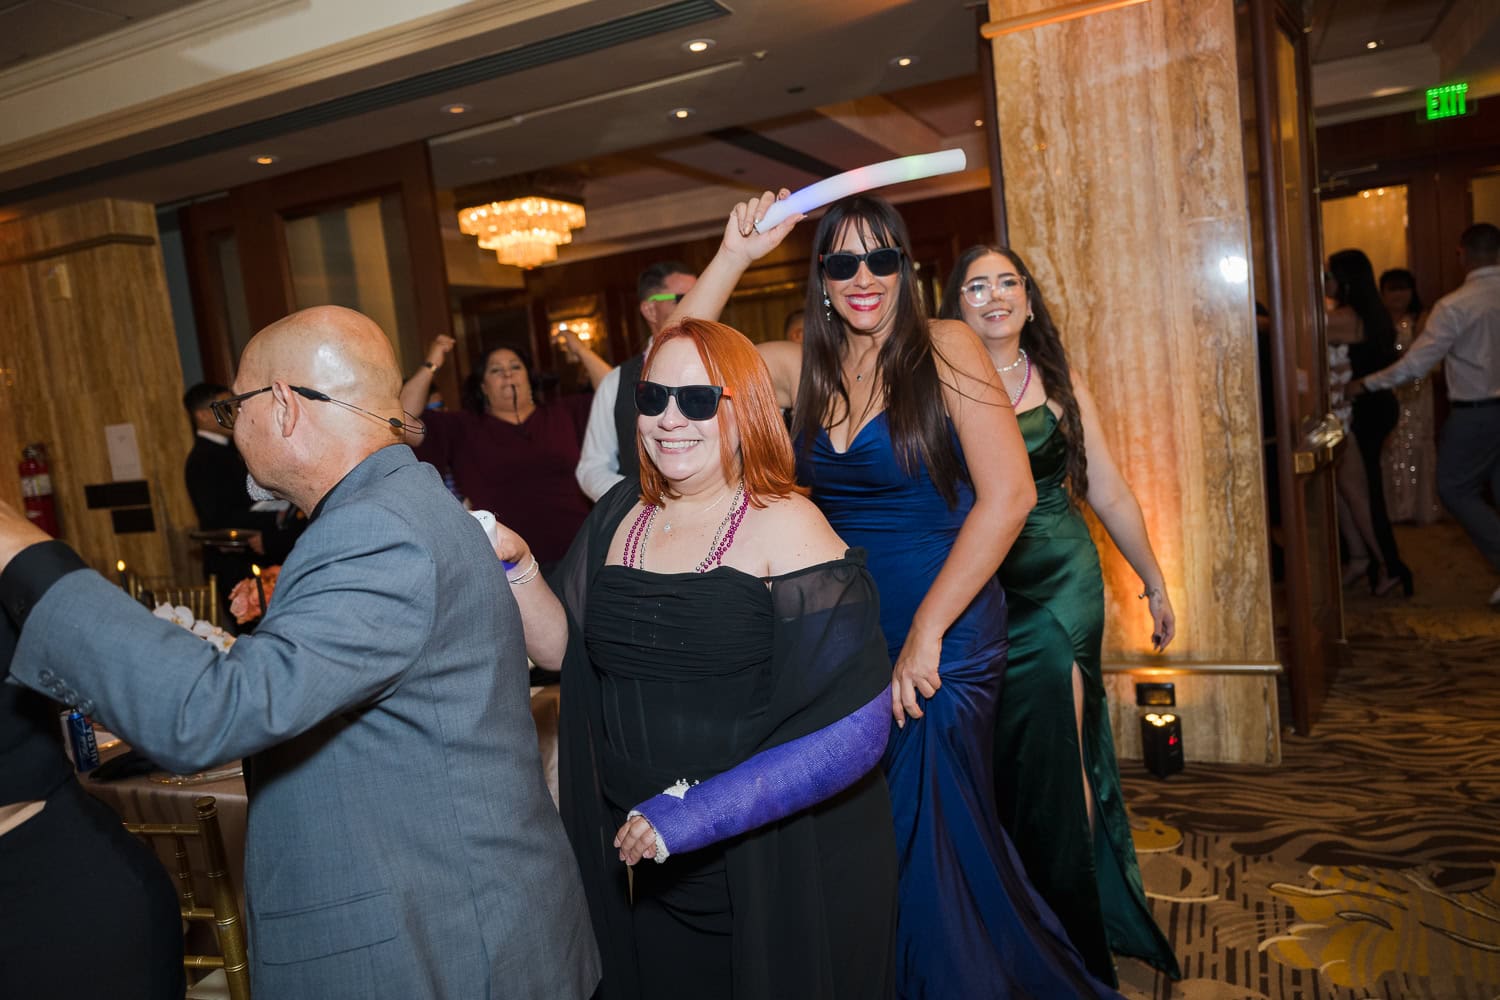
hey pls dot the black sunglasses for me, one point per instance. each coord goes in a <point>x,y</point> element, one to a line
<point>843,265</point>
<point>695,402</point>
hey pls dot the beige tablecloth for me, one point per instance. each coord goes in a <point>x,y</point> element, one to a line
<point>152,799</point>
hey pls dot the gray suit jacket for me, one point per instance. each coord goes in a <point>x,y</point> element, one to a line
<point>401,839</point>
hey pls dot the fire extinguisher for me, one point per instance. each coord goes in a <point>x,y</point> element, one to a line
<point>36,489</point>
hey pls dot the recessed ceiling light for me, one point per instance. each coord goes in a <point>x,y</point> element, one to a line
<point>681,113</point>
<point>264,159</point>
<point>901,62</point>
<point>1372,45</point>
<point>699,45</point>
<point>455,108</point>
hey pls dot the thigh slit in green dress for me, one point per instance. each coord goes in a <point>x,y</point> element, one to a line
<point>1055,593</point>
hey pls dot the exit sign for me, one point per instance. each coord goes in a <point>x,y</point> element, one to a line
<point>1448,102</point>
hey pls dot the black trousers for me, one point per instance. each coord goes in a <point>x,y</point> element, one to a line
<point>1375,416</point>
<point>88,910</point>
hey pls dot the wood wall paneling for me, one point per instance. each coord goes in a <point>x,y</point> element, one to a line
<point>1125,190</point>
<point>256,214</point>
<point>96,347</point>
<point>1435,160</point>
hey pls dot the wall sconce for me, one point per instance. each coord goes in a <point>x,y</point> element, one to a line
<point>585,329</point>
<point>1161,732</point>
<point>1161,743</point>
<point>582,328</point>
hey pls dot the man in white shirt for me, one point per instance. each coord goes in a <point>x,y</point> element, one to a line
<point>608,454</point>
<point>1463,332</point>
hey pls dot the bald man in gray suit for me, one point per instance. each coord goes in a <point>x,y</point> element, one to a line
<point>401,840</point>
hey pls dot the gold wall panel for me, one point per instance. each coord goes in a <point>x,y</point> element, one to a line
<point>1125,187</point>
<point>84,307</point>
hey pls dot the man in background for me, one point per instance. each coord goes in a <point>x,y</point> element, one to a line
<point>608,453</point>
<point>215,476</point>
<point>215,473</point>
<point>401,840</point>
<point>791,328</point>
<point>1463,332</point>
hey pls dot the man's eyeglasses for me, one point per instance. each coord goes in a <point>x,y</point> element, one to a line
<point>843,265</point>
<point>664,297</point>
<point>695,402</point>
<point>227,410</point>
<point>1007,286</point>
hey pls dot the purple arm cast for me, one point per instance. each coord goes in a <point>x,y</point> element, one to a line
<point>772,784</point>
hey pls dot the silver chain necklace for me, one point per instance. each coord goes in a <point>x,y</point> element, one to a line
<point>666,524</point>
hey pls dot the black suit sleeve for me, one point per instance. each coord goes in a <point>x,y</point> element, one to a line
<point>30,575</point>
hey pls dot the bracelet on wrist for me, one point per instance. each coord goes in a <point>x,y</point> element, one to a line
<point>430,366</point>
<point>526,575</point>
<point>1149,592</point>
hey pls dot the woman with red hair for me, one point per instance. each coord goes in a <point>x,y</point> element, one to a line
<point>725,682</point>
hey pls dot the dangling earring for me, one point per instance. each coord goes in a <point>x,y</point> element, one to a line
<point>827,307</point>
<point>1030,316</point>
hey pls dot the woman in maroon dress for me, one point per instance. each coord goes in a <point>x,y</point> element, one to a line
<point>504,451</point>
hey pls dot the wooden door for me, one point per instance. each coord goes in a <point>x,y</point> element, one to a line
<point>1310,613</point>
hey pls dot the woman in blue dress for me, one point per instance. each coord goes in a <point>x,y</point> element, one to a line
<point>912,452</point>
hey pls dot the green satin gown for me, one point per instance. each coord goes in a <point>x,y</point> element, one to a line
<point>1055,593</point>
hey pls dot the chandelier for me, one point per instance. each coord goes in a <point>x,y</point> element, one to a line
<point>524,232</point>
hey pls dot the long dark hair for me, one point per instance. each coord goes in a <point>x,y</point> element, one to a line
<point>914,408</point>
<point>1400,277</point>
<point>1355,278</point>
<point>1043,344</point>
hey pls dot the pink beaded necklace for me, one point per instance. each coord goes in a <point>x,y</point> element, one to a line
<point>634,555</point>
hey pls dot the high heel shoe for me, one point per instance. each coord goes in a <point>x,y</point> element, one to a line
<point>1401,576</point>
<point>1355,570</point>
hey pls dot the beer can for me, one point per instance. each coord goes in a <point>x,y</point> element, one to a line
<point>81,737</point>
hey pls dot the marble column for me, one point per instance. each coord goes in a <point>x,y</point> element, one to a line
<point>1125,191</point>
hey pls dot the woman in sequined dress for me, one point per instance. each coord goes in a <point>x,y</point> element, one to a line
<point>1409,461</point>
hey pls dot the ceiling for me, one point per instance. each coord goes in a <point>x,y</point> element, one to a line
<point>33,28</point>
<point>789,91</point>
<point>1343,29</point>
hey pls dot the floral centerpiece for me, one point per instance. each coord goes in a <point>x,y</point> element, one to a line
<point>248,598</point>
<point>182,615</point>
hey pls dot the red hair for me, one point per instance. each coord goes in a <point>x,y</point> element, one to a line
<point>765,460</point>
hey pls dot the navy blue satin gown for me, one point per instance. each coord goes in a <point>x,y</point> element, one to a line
<point>970,926</point>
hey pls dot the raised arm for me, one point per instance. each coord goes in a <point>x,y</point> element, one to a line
<point>1120,513</point>
<point>599,456</point>
<point>741,247</point>
<point>1004,494</point>
<point>594,366</point>
<point>414,392</point>
<point>784,359</point>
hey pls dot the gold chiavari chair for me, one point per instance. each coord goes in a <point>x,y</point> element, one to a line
<point>223,912</point>
<point>201,599</point>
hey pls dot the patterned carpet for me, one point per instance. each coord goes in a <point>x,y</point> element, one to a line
<point>1366,864</point>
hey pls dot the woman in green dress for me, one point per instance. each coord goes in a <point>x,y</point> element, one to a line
<point>1057,780</point>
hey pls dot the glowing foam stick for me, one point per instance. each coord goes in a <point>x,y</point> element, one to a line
<point>898,171</point>
<point>487,522</point>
